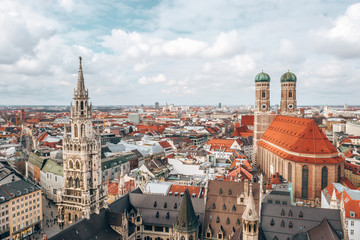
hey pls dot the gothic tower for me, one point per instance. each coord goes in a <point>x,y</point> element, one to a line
<point>84,192</point>
<point>263,116</point>
<point>187,224</point>
<point>288,93</point>
<point>250,219</point>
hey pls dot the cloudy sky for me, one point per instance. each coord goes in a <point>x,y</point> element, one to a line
<point>178,51</point>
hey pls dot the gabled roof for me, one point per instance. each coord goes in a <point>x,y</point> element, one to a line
<point>289,136</point>
<point>323,231</point>
<point>298,135</point>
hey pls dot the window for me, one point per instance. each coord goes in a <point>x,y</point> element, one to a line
<point>263,94</point>
<point>305,181</point>
<point>54,191</point>
<point>290,94</point>
<point>324,177</point>
<point>213,206</point>
<point>352,232</point>
<point>224,207</point>
<point>301,214</point>
<point>155,204</point>
<point>77,183</point>
<point>175,206</point>
<point>290,213</point>
<point>228,221</point>
<point>290,225</point>
<point>289,172</point>
<point>282,224</point>
<point>234,208</point>
<point>282,212</point>
<point>229,192</point>
<point>339,173</point>
<point>217,219</point>
<point>352,223</point>
<point>220,191</point>
<point>272,223</point>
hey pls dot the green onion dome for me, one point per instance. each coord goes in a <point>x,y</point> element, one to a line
<point>262,77</point>
<point>288,77</point>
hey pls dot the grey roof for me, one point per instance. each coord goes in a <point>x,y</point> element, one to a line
<point>187,220</point>
<point>150,205</point>
<point>16,189</point>
<point>96,227</point>
<point>311,217</point>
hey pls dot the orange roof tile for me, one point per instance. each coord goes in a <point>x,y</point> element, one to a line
<point>247,120</point>
<point>192,189</point>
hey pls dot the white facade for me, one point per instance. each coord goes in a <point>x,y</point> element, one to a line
<point>50,184</point>
<point>353,128</point>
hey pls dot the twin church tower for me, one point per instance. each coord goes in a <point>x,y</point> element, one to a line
<point>263,116</point>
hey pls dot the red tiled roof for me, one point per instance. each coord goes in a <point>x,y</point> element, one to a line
<point>164,144</point>
<point>346,182</point>
<point>223,143</point>
<point>192,189</point>
<point>247,120</point>
<point>354,168</point>
<point>298,135</point>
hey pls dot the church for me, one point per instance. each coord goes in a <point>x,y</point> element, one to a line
<point>294,147</point>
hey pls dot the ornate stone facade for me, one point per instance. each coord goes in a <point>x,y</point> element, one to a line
<point>83,192</point>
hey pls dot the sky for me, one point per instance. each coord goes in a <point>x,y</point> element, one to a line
<point>182,52</point>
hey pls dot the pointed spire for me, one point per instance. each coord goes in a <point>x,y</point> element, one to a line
<point>250,213</point>
<point>80,86</point>
<point>333,203</point>
<point>187,220</point>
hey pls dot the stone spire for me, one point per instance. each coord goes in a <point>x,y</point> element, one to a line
<point>81,85</point>
<point>187,220</point>
<point>250,213</point>
<point>333,203</point>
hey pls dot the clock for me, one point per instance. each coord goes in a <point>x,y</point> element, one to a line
<point>263,106</point>
<point>290,106</point>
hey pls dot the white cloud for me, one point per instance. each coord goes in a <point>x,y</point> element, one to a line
<point>148,80</point>
<point>343,39</point>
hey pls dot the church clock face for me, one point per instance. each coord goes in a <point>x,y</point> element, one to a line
<point>263,106</point>
<point>290,106</point>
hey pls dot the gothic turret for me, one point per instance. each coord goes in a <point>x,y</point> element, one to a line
<point>187,224</point>
<point>250,219</point>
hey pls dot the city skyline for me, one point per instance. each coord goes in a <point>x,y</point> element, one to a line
<point>178,52</point>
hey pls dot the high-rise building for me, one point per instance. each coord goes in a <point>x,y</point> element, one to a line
<point>83,192</point>
<point>157,105</point>
<point>219,106</point>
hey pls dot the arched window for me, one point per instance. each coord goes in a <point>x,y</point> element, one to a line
<point>324,177</point>
<point>69,217</point>
<point>263,94</point>
<point>82,130</point>
<point>76,133</point>
<point>77,165</point>
<point>71,182</point>
<point>77,183</point>
<point>71,165</point>
<point>82,106</point>
<point>182,238</point>
<point>191,237</point>
<point>290,94</point>
<point>339,173</point>
<point>290,172</point>
<point>305,182</point>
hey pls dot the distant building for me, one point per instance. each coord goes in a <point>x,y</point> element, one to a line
<point>134,118</point>
<point>157,105</point>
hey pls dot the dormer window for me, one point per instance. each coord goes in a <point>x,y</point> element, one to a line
<point>301,215</point>
<point>282,212</point>
<point>175,206</point>
<point>272,223</point>
<point>155,204</point>
<point>352,214</point>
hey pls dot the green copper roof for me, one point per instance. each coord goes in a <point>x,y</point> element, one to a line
<point>187,220</point>
<point>262,77</point>
<point>288,77</point>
